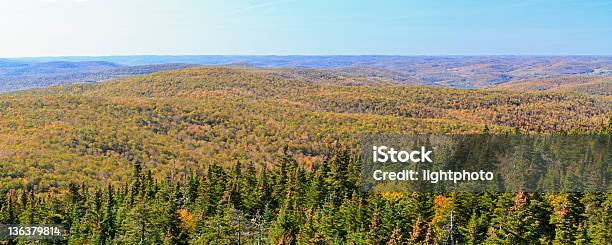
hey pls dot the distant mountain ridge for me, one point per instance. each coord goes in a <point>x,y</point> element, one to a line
<point>19,76</point>
<point>446,71</point>
<point>58,67</point>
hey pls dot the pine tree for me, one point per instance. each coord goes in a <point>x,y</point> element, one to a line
<point>520,218</point>
<point>280,177</point>
<point>566,217</point>
<point>285,228</point>
<point>472,213</point>
<point>137,179</point>
<point>192,189</point>
<point>336,179</point>
<point>170,221</point>
<point>232,192</point>
<point>77,210</point>
<point>138,226</point>
<point>328,224</point>
<point>94,219</point>
<point>107,226</point>
<point>216,182</point>
<point>249,191</point>
<point>10,212</point>
<point>264,192</point>
<point>598,217</point>
<point>352,216</point>
<point>475,229</point>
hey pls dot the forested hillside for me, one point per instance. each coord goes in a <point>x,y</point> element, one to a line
<point>176,121</point>
<point>227,155</point>
<point>594,85</point>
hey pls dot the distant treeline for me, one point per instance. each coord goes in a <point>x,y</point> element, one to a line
<point>448,71</point>
<point>62,73</point>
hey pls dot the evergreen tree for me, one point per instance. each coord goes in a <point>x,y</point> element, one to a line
<point>138,226</point>
<point>519,218</point>
<point>107,226</point>
<point>566,217</point>
<point>170,221</point>
<point>598,217</point>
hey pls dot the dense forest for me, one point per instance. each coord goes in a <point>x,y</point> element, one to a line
<point>594,85</point>
<point>291,205</point>
<point>229,155</point>
<point>175,121</point>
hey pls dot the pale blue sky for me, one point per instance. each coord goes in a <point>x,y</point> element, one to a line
<point>314,27</point>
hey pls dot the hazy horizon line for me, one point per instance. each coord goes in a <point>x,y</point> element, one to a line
<point>306,55</point>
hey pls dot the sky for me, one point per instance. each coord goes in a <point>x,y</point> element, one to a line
<point>312,27</point>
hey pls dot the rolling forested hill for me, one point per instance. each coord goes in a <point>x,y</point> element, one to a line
<point>594,85</point>
<point>177,121</point>
<point>231,155</point>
